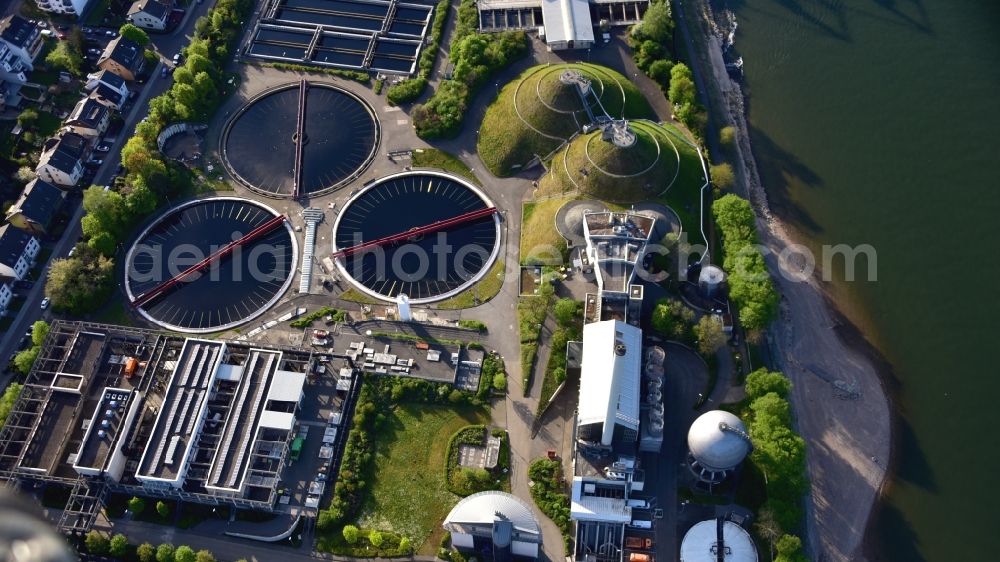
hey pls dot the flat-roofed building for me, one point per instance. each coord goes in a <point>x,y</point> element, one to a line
<point>609,383</point>
<point>563,24</point>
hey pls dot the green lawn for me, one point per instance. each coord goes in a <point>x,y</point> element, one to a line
<point>539,238</point>
<point>408,494</point>
<point>434,158</point>
<point>546,108</point>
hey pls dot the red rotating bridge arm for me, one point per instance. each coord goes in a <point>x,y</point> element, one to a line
<point>426,229</point>
<point>219,254</point>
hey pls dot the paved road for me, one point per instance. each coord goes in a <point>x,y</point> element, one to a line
<point>155,85</point>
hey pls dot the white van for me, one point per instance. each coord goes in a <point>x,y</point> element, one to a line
<point>641,524</point>
<point>614,474</point>
<point>638,504</point>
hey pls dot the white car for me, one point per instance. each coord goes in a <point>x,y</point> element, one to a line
<point>45,303</point>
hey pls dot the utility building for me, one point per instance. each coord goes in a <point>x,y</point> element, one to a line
<point>563,24</point>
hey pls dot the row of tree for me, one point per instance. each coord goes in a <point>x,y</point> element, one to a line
<point>119,547</point>
<point>750,286</point>
<point>780,453</point>
<point>476,56</point>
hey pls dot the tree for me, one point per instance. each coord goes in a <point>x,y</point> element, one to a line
<point>710,334</point>
<point>351,534</point>
<point>205,556</point>
<point>566,311</point>
<point>136,505</point>
<point>7,400</point>
<point>376,538</point>
<point>24,174</point>
<point>25,359</point>
<point>659,71</point>
<point>134,34</point>
<point>165,552</point>
<point>39,330</point>
<point>96,542</point>
<point>27,118</point>
<point>184,553</point>
<point>456,396</point>
<point>723,176</point>
<point>789,549</point>
<point>66,57</point>
<point>146,552</point>
<point>767,526</point>
<point>163,509</point>
<point>499,381</point>
<point>672,318</point>
<point>762,381</point>
<point>727,137</point>
<point>118,546</point>
<point>80,284</point>
<point>657,23</point>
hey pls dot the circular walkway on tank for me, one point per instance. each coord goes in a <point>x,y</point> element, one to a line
<point>233,289</point>
<point>299,140</point>
<point>428,235</point>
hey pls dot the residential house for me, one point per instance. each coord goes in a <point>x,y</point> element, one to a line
<point>109,79</point>
<point>108,97</point>
<point>22,37</point>
<point>89,118</point>
<point>62,159</point>
<point>149,14</point>
<point>20,43</point>
<point>123,57</point>
<point>6,293</point>
<point>18,250</point>
<point>36,208</point>
<point>71,7</point>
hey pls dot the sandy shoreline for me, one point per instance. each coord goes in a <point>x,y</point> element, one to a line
<point>842,383</point>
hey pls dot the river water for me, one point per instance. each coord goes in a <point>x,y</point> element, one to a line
<point>876,122</point>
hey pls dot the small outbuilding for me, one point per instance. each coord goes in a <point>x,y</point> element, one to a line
<point>496,521</point>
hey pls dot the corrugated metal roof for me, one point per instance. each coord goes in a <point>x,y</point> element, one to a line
<point>567,20</point>
<point>609,381</point>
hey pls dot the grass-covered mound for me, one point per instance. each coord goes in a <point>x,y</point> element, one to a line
<point>536,112</point>
<point>675,178</point>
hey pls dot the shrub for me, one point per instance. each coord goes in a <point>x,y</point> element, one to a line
<point>146,552</point>
<point>500,381</point>
<point>723,176</point>
<point>406,91</point>
<point>473,325</point>
<point>727,136</point>
<point>376,538</point>
<point>96,543</point>
<point>205,556</point>
<point>750,285</point>
<point>163,509</point>
<point>118,546</point>
<point>184,553</point>
<point>404,545</point>
<point>351,534</point>
<point>762,382</point>
<point>165,553</point>
<point>549,494</point>
<point>136,505</point>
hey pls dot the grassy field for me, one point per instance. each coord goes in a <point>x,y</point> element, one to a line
<point>434,158</point>
<point>539,237</point>
<point>354,295</point>
<point>484,290</point>
<point>409,494</point>
<point>552,109</point>
<point>683,195</point>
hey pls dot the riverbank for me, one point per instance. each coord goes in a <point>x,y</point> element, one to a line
<point>840,394</point>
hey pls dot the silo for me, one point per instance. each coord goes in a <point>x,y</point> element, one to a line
<point>718,442</point>
<point>710,280</point>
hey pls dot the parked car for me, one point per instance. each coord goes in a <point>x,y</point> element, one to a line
<point>71,252</point>
<point>95,162</point>
<point>110,33</point>
<point>45,303</point>
<point>103,147</point>
<point>164,72</point>
<point>177,59</point>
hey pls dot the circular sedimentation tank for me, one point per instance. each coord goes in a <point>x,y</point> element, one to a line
<point>230,291</point>
<point>425,266</point>
<point>262,143</point>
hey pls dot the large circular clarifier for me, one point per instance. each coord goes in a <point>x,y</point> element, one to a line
<point>233,288</point>
<point>260,144</point>
<point>431,236</point>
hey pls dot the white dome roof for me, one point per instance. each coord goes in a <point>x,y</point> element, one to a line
<point>714,448</point>
<point>482,508</point>
<point>699,544</point>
